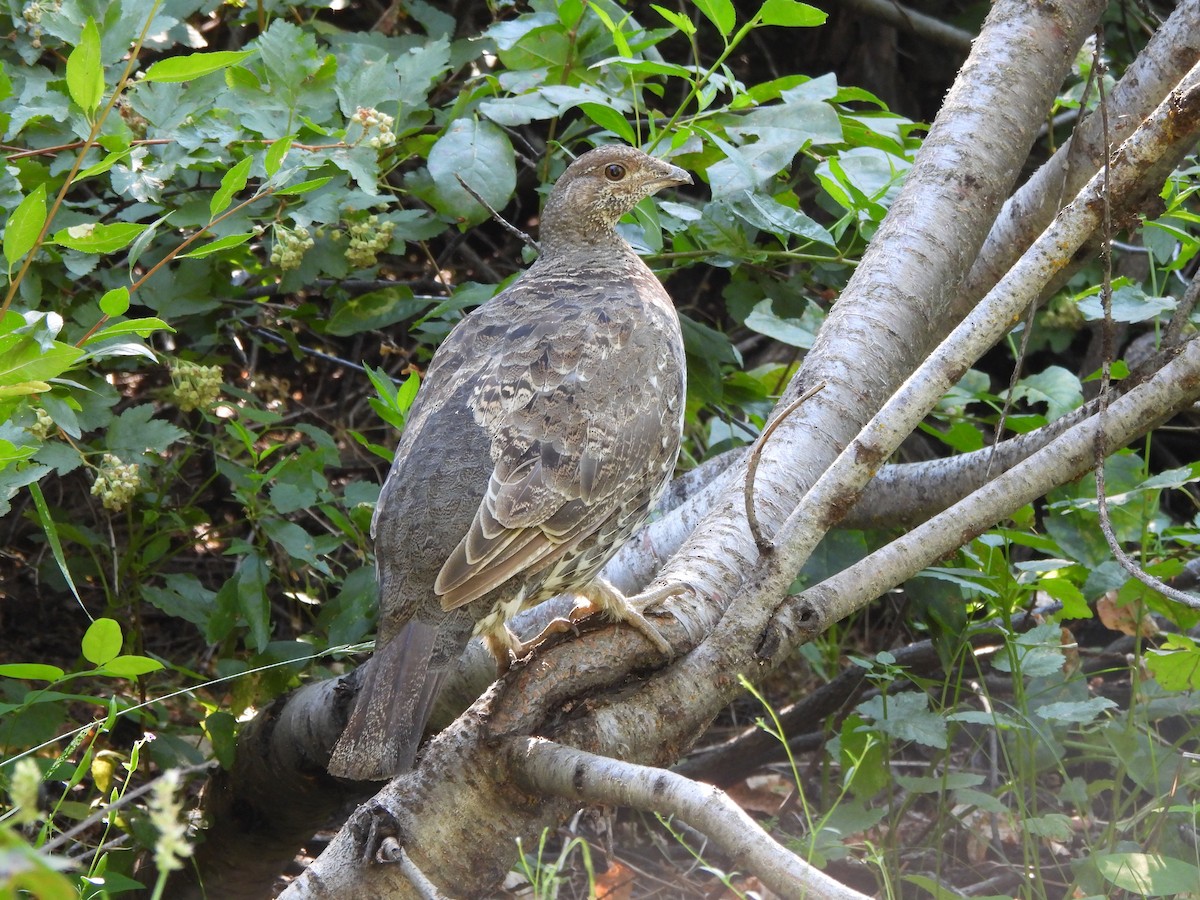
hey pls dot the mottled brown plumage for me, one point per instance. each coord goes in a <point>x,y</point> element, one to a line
<point>548,423</point>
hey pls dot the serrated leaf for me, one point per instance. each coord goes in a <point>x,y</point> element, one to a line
<point>1075,712</point>
<point>789,331</point>
<point>85,72</point>
<point>223,243</point>
<point>115,302</point>
<point>1129,304</point>
<point>933,784</point>
<point>231,182</point>
<point>792,14</point>
<point>24,225</point>
<point>481,154</point>
<point>194,65</point>
<point>102,641</point>
<point>92,237</point>
<point>137,432</point>
<point>1057,387</point>
<point>31,671</point>
<point>373,310</point>
<point>907,717</point>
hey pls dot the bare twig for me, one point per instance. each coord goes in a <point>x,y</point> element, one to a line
<point>549,768</point>
<point>1126,562</point>
<point>508,226</point>
<point>764,543</point>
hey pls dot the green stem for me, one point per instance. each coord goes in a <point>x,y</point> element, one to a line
<point>697,85</point>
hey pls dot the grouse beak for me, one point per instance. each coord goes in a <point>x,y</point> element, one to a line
<point>672,175</point>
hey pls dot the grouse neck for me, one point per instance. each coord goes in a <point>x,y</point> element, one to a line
<point>578,240</point>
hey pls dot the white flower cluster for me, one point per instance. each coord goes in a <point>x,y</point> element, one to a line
<point>166,811</point>
<point>290,247</point>
<point>195,386</point>
<point>116,482</point>
<point>377,125</point>
<point>44,426</point>
<point>367,240</point>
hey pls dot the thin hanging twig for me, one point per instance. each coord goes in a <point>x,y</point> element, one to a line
<point>508,226</point>
<point>1126,562</point>
<point>764,543</point>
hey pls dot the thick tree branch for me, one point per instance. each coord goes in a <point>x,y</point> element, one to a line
<point>907,279</point>
<point>1174,48</point>
<point>1176,386</point>
<point>544,767</point>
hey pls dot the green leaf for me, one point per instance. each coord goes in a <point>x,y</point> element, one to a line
<point>127,666</point>
<point>1053,826</point>
<point>231,182</point>
<point>85,72</point>
<point>92,237</point>
<point>102,641</point>
<point>195,65</point>
<point>136,432</point>
<point>1148,874</point>
<point>720,13</point>
<point>28,361</point>
<point>1130,303</point>
<point>608,118</point>
<point>788,331</point>
<point>680,21</point>
<point>1057,387</point>
<point>933,784</point>
<point>374,310</point>
<point>302,187</point>
<point>481,154</point>
<point>50,528</point>
<point>109,160</point>
<point>863,759</point>
<point>907,717</point>
<point>1074,604</point>
<point>183,597</point>
<point>1075,712</point>
<point>223,243</point>
<point>275,154</point>
<point>791,13</point>
<point>252,599</point>
<point>140,327</point>
<point>115,302</point>
<point>31,671</point>
<point>24,225</point>
<point>1176,665</point>
<point>221,729</point>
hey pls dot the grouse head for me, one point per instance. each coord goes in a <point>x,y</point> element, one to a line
<point>597,189</point>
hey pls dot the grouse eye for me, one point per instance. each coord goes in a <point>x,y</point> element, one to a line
<point>614,172</point>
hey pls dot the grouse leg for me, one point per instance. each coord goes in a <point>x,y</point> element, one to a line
<point>602,596</point>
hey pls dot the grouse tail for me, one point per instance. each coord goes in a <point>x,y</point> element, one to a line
<point>392,708</point>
